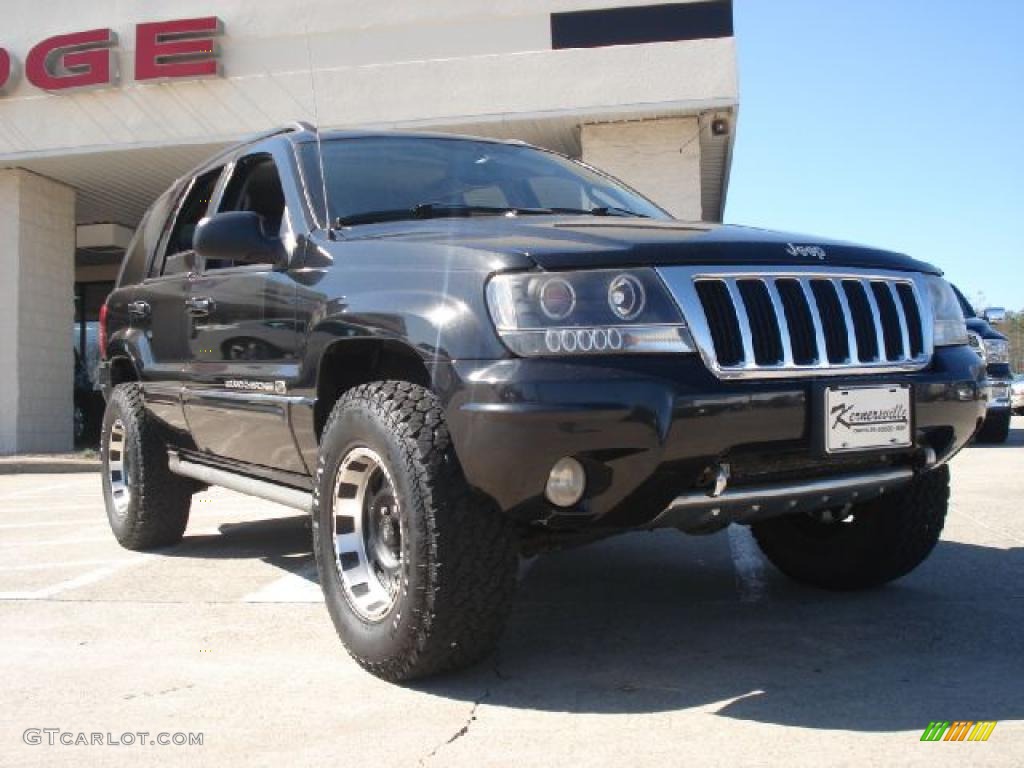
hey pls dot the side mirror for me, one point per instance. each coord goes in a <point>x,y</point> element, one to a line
<point>994,315</point>
<point>237,236</point>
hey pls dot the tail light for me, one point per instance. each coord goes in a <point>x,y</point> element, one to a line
<point>103,331</point>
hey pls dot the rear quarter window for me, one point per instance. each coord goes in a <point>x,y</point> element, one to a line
<point>138,256</point>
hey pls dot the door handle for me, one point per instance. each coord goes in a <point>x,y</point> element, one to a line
<point>199,306</point>
<point>139,309</point>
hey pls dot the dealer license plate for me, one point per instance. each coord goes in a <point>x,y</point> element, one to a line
<point>867,418</point>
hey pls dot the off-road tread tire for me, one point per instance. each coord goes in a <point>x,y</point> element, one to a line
<point>889,538</point>
<point>467,552</point>
<point>159,510</point>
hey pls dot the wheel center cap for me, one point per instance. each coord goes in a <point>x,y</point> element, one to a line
<point>384,513</point>
<point>387,529</point>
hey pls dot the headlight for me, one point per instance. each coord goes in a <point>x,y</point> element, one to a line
<point>598,312</point>
<point>948,317</point>
<point>997,351</point>
<point>975,343</point>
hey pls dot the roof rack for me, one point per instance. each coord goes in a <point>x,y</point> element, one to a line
<point>297,126</point>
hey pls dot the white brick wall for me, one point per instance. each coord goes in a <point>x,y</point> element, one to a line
<point>444,62</point>
<point>659,158</point>
<point>37,255</point>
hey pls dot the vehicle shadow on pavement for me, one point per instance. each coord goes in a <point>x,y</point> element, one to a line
<point>284,542</point>
<point>655,622</point>
<point>652,623</point>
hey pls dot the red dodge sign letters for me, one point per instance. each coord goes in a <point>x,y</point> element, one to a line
<point>164,50</point>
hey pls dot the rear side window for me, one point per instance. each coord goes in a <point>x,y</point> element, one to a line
<point>133,268</point>
<point>193,208</point>
<point>141,257</point>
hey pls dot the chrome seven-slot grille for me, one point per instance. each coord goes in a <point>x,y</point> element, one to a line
<point>822,321</point>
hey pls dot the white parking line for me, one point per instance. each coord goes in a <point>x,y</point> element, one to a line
<point>32,510</point>
<point>298,587</point>
<point>90,577</point>
<point>54,542</point>
<point>747,563</point>
<point>206,515</point>
<point>39,490</point>
<point>53,524</point>
<point>1004,533</point>
<point>48,566</point>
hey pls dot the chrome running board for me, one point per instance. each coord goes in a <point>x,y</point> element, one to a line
<point>279,494</point>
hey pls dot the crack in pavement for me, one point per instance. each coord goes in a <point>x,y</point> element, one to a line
<point>471,718</point>
<point>459,733</point>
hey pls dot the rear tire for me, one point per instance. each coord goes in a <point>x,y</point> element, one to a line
<point>882,540</point>
<point>996,428</point>
<point>418,571</point>
<point>147,504</point>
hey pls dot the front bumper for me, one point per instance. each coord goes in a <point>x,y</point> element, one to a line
<point>650,429</point>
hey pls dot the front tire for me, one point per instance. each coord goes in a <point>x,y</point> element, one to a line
<point>878,542</point>
<point>996,428</point>
<point>147,505</point>
<point>418,571</point>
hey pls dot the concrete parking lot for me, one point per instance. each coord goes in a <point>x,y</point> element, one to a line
<point>651,649</point>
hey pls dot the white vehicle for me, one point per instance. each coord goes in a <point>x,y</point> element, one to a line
<point>1017,394</point>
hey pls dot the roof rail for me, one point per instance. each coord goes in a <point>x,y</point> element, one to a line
<point>297,126</point>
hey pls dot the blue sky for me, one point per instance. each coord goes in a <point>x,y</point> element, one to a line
<point>898,124</point>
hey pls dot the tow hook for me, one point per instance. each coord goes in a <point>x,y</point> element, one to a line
<point>927,458</point>
<point>721,481</point>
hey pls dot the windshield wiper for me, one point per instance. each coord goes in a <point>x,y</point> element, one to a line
<point>437,211</point>
<point>614,210</point>
<point>441,210</point>
<point>427,210</point>
<point>603,210</point>
<point>431,210</point>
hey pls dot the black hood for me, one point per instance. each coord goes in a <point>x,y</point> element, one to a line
<point>983,328</point>
<point>554,242</point>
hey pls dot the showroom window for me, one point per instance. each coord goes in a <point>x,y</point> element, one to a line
<point>89,297</point>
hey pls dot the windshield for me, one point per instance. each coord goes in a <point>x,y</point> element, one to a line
<point>388,178</point>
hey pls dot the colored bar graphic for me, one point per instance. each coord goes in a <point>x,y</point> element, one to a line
<point>958,730</point>
<point>982,730</point>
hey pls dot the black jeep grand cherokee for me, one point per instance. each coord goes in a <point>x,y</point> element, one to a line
<point>453,351</point>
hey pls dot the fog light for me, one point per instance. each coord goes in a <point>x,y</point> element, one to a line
<point>566,482</point>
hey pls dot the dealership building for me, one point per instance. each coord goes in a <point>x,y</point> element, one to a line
<point>103,104</point>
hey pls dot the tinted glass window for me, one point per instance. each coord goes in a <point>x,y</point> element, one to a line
<point>133,267</point>
<point>255,186</point>
<point>147,237</point>
<point>378,174</point>
<point>193,209</point>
